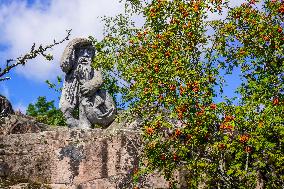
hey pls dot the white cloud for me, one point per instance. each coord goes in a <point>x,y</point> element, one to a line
<point>21,25</point>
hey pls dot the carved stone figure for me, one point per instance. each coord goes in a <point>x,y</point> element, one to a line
<point>81,90</point>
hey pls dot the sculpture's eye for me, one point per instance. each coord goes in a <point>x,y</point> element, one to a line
<point>90,51</point>
<point>81,51</point>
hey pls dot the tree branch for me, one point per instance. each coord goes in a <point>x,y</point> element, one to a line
<point>22,60</point>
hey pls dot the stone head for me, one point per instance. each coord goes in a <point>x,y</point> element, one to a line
<point>78,51</point>
<point>84,53</point>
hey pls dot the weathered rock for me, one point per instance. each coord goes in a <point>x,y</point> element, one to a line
<point>5,107</point>
<point>81,88</point>
<point>20,124</point>
<point>73,158</point>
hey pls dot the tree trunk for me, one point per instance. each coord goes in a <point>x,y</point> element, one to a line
<point>260,181</point>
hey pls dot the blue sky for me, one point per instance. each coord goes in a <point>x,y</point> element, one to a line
<point>23,22</point>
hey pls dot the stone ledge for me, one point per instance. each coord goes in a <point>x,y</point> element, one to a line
<point>74,158</point>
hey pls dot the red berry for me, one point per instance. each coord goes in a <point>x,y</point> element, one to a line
<point>149,130</point>
<point>266,38</point>
<point>163,157</point>
<point>213,106</point>
<point>221,146</point>
<point>175,157</point>
<point>172,87</point>
<point>248,149</point>
<point>276,101</point>
<point>244,138</point>
<point>178,132</point>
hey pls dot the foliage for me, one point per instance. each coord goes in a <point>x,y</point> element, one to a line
<point>168,73</point>
<point>259,53</point>
<point>46,112</point>
<point>57,87</point>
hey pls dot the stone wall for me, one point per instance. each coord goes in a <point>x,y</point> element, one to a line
<point>70,158</point>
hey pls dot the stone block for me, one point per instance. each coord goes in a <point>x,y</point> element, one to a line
<point>73,158</point>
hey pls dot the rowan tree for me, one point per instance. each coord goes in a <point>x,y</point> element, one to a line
<point>168,73</point>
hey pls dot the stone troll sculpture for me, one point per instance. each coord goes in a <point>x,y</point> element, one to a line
<point>81,88</point>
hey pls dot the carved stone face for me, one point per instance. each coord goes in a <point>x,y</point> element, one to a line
<point>84,54</point>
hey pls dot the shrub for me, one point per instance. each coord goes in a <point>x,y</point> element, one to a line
<point>46,112</point>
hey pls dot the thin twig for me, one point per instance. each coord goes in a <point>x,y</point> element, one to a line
<point>22,60</point>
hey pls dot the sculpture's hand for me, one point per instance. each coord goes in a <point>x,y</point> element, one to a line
<point>85,89</point>
<point>92,85</point>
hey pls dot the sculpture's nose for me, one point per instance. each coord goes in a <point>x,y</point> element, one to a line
<point>86,53</point>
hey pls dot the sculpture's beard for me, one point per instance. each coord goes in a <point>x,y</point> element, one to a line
<point>84,60</point>
<point>84,72</point>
